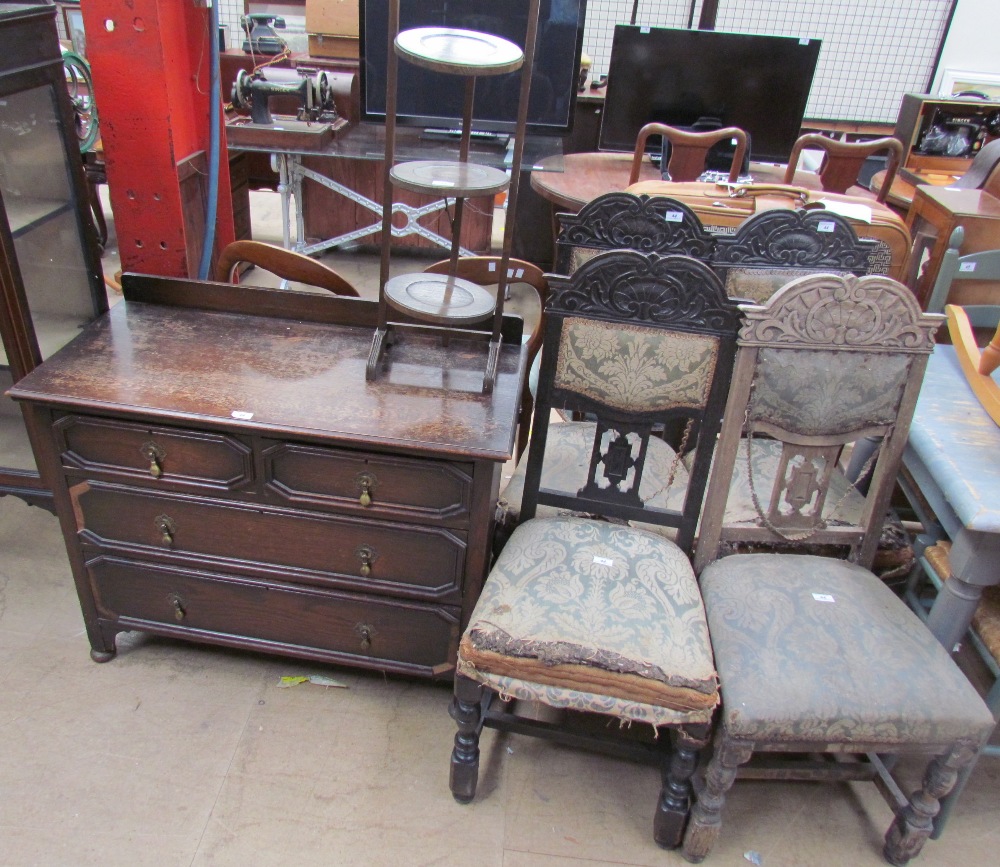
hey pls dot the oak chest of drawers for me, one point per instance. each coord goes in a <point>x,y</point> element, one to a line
<point>230,477</point>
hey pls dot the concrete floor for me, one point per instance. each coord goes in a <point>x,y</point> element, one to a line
<point>181,754</point>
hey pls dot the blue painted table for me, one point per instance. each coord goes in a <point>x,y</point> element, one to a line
<point>952,458</point>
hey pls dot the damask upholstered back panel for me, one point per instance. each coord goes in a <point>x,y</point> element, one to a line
<point>634,368</point>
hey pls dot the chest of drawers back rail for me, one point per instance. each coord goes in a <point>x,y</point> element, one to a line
<point>223,472</point>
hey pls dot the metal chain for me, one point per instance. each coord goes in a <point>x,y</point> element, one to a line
<point>800,536</point>
<point>676,462</point>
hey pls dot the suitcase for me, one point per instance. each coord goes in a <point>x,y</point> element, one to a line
<point>722,207</point>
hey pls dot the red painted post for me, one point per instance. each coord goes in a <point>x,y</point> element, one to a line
<point>150,64</point>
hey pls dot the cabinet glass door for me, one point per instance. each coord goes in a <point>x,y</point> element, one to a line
<point>42,217</point>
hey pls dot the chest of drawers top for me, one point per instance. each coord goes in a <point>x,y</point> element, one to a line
<point>288,365</point>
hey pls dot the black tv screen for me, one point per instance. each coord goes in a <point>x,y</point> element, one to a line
<point>682,77</point>
<point>435,100</point>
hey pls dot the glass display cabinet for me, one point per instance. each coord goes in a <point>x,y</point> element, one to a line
<point>51,283</point>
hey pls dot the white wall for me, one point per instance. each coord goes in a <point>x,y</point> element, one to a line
<point>972,42</point>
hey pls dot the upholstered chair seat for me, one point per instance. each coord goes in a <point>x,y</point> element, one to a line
<point>815,650</point>
<point>615,625</point>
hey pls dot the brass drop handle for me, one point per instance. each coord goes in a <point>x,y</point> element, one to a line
<point>366,632</point>
<point>367,555</point>
<point>367,483</point>
<point>178,606</point>
<point>167,529</point>
<point>155,455</point>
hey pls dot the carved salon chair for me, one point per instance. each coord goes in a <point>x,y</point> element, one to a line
<point>815,654</point>
<point>582,611</point>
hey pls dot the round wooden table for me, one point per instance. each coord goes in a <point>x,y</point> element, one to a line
<point>588,175</point>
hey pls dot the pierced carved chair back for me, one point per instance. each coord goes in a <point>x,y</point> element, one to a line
<point>775,246</point>
<point>637,341</point>
<point>825,362</point>
<point>623,221</point>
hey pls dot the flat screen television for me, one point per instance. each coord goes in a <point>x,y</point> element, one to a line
<point>433,100</point>
<point>682,77</point>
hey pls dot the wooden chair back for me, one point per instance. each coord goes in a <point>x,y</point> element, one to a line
<point>636,341</point>
<point>284,263</point>
<point>984,173</point>
<point>842,161</point>
<point>688,150</point>
<point>623,221</point>
<point>776,246</point>
<point>826,362</point>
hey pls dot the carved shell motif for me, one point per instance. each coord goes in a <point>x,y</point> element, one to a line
<point>796,239</point>
<point>663,290</point>
<point>825,310</point>
<point>650,225</point>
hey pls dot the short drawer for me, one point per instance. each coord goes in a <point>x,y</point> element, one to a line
<point>378,556</point>
<point>362,482</point>
<point>207,606</point>
<point>185,458</point>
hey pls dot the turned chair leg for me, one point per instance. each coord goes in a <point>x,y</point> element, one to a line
<point>466,710</point>
<point>706,815</point>
<point>674,803</point>
<point>914,823</point>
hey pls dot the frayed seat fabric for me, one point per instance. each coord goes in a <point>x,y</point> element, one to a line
<point>613,611</point>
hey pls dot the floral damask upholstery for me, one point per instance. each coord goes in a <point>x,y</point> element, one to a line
<point>594,616</point>
<point>635,368</point>
<point>812,649</point>
<point>827,391</point>
<point>567,461</point>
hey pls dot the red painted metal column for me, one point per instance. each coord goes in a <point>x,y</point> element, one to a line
<point>150,63</point>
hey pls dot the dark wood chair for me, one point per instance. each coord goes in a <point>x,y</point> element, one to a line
<point>842,161</point>
<point>688,151</point>
<point>284,263</point>
<point>816,655</point>
<point>623,221</point>
<point>582,611</point>
<point>483,270</point>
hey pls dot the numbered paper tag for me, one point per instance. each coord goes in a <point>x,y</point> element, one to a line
<point>823,597</point>
<point>674,216</point>
<point>966,266</point>
<point>826,226</point>
<point>242,416</point>
<point>442,183</point>
<point>604,561</point>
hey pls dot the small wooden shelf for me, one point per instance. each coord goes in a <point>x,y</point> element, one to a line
<point>440,298</point>
<point>458,52</point>
<point>450,177</point>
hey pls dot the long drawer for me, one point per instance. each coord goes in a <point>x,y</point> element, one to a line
<point>311,547</point>
<point>205,606</point>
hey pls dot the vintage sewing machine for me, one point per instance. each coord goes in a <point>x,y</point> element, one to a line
<point>314,123</point>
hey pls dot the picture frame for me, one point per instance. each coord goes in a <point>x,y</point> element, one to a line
<point>73,21</point>
<point>955,81</point>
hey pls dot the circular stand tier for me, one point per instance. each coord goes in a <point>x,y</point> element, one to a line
<point>449,177</point>
<point>439,298</point>
<point>459,52</point>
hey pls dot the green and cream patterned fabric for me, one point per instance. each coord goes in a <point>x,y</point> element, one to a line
<point>635,368</point>
<point>759,284</point>
<point>614,611</point>
<point>567,461</point>
<point>827,391</point>
<point>818,650</point>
